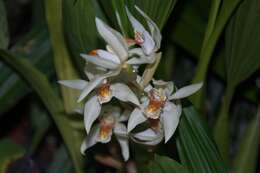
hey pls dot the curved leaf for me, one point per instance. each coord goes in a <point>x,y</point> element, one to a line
<point>41,86</point>
<point>163,164</point>
<point>196,147</point>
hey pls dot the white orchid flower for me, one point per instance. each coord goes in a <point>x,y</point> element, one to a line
<point>162,106</point>
<point>104,92</point>
<point>110,122</point>
<point>149,41</point>
<point>116,56</point>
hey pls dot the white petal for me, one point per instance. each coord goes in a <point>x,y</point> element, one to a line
<point>91,112</point>
<point>136,25</point>
<point>75,84</point>
<point>137,61</point>
<point>108,56</point>
<point>91,85</point>
<point>124,93</point>
<point>100,61</point>
<point>136,51</point>
<point>123,142</point>
<point>135,118</point>
<point>113,38</point>
<point>146,135</point>
<point>155,31</point>
<point>170,119</point>
<point>148,45</point>
<point>90,140</point>
<point>120,130</point>
<point>186,91</point>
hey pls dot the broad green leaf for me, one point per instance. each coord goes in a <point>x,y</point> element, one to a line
<point>35,47</point>
<point>80,27</point>
<point>187,32</point>
<point>246,158</point>
<point>9,152</point>
<point>163,164</point>
<point>226,9</point>
<point>63,64</point>
<point>4,34</point>
<point>242,59</point>
<point>242,42</point>
<point>39,83</point>
<point>196,147</point>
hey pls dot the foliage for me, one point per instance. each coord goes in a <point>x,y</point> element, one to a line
<point>219,38</point>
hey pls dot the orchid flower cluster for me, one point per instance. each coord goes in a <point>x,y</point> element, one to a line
<point>114,73</point>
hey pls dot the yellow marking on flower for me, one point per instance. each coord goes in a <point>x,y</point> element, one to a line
<point>106,125</point>
<point>104,92</point>
<point>93,52</point>
<point>156,103</point>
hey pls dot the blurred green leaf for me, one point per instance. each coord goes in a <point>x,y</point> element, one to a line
<point>226,9</point>
<point>42,87</point>
<point>246,158</point>
<point>242,42</point>
<point>163,164</point>
<point>9,152</point>
<point>196,147</point>
<point>242,60</point>
<point>61,162</point>
<point>4,34</point>
<point>40,124</point>
<point>35,47</point>
<point>64,68</point>
<point>80,27</point>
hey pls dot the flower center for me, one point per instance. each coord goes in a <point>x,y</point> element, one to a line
<point>130,42</point>
<point>106,125</point>
<point>104,93</point>
<point>139,38</point>
<point>93,52</point>
<point>156,103</point>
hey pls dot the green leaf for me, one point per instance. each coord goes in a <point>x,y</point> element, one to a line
<point>9,152</point>
<point>35,47</point>
<point>63,64</point>
<point>4,34</point>
<point>242,59</point>
<point>246,158</point>
<point>242,42</point>
<point>196,147</point>
<point>42,87</point>
<point>163,164</point>
<point>80,28</point>
<point>226,9</point>
<point>40,125</point>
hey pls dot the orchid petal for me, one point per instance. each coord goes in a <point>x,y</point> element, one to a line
<point>91,85</point>
<point>108,56</point>
<point>123,142</point>
<point>155,31</point>
<point>107,139</point>
<point>100,61</point>
<point>120,130</point>
<point>186,91</point>
<point>124,93</point>
<point>90,140</point>
<point>135,118</point>
<point>146,135</point>
<point>148,44</point>
<point>170,118</point>
<point>113,38</point>
<point>91,112</point>
<point>75,84</point>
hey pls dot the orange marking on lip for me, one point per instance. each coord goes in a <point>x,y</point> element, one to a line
<point>93,52</point>
<point>104,90</point>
